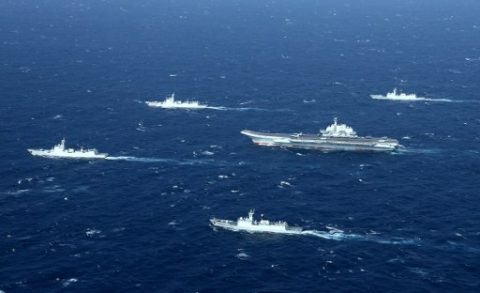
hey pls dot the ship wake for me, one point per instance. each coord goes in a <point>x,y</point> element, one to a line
<point>340,236</point>
<point>405,151</point>
<point>186,162</point>
<point>218,108</point>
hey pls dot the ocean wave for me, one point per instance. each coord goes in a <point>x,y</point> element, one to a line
<point>457,246</point>
<point>242,255</point>
<point>16,192</point>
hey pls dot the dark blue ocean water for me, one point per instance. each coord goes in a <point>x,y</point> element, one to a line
<point>82,70</point>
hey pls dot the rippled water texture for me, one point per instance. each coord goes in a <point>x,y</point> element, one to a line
<point>140,219</point>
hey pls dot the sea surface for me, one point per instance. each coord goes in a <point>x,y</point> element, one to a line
<point>139,221</point>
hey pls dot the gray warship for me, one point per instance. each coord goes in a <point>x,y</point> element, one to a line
<point>336,137</point>
<point>249,224</point>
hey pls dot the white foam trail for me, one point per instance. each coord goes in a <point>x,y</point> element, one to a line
<point>395,241</point>
<point>339,236</point>
<point>472,59</point>
<point>402,151</point>
<point>190,162</point>
<point>456,246</point>
<point>329,235</point>
<point>219,108</point>
<point>234,109</point>
<point>410,151</point>
<point>16,192</point>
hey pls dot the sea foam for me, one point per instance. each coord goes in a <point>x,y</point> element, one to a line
<point>190,162</point>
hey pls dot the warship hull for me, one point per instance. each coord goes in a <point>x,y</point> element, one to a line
<point>321,143</point>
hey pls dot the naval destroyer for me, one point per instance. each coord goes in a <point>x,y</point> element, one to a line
<point>249,224</point>
<point>396,96</point>
<point>59,151</point>
<point>402,97</point>
<point>336,137</point>
<point>171,103</point>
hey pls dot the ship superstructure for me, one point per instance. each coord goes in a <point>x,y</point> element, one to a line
<point>59,151</point>
<point>249,224</point>
<point>336,137</point>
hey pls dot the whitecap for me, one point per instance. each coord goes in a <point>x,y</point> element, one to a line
<point>92,232</point>
<point>140,127</point>
<point>242,255</point>
<point>28,179</point>
<point>472,59</point>
<point>67,283</point>
<point>285,183</point>
<point>24,69</point>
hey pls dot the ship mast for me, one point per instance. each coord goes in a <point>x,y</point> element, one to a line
<point>250,215</point>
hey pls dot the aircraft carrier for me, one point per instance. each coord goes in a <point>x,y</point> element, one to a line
<point>336,137</point>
